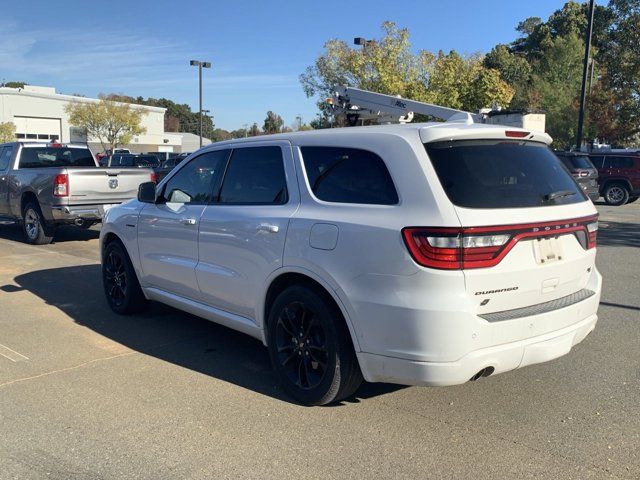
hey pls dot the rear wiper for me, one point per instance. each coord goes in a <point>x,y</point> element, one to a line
<point>559,194</point>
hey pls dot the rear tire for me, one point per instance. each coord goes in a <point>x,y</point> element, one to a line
<point>120,282</point>
<point>616,194</point>
<point>34,225</point>
<point>310,347</point>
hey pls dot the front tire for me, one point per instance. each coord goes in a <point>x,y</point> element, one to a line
<point>310,347</point>
<point>121,286</point>
<point>33,225</point>
<point>616,194</point>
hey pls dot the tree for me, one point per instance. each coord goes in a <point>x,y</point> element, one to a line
<point>388,65</point>
<point>239,133</point>
<point>273,123</point>
<point>254,131</point>
<point>7,132</point>
<point>112,123</point>
<point>14,84</point>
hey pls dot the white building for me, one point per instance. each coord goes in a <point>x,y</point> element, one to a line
<point>39,115</point>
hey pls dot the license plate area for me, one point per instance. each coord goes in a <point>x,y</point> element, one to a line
<point>547,250</point>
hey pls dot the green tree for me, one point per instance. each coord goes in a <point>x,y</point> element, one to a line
<point>388,65</point>
<point>7,132</point>
<point>273,123</point>
<point>555,86</point>
<point>239,133</point>
<point>254,130</point>
<point>14,84</point>
<point>112,123</point>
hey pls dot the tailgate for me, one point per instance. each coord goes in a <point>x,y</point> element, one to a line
<point>527,231</point>
<point>94,186</point>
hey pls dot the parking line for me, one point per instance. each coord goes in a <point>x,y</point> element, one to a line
<point>12,355</point>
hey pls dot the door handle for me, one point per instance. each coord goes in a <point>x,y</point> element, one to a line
<point>268,228</point>
<point>188,221</point>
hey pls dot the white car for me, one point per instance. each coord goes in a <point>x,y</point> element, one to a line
<point>418,254</point>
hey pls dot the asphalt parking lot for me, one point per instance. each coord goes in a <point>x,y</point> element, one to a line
<point>87,394</point>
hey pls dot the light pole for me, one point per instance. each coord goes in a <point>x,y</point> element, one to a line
<point>200,65</point>
<point>299,119</point>
<point>585,70</point>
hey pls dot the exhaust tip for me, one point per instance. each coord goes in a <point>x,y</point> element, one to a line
<point>485,372</point>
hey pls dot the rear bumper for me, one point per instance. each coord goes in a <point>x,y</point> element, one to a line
<point>439,348</point>
<point>70,213</point>
<point>502,358</point>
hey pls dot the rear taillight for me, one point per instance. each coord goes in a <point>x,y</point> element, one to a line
<point>515,134</point>
<point>61,185</point>
<point>154,177</point>
<point>480,247</point>
<point>592,234</point>
<point>452,249</point>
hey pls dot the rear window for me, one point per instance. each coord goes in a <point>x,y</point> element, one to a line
<point>42,157</point>
<point>502,174</point>
<point>348,175</point>
<point>576,161</point>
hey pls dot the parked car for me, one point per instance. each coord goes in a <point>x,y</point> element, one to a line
<point>163,156</point>
<point>133,160</point>
<point>618,176</point>
<point>426,254</point>
<point>169,165</point>
<point>583,171</point>
<point>46,185</point>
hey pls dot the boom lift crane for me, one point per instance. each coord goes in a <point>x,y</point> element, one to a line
<point>357,104</point>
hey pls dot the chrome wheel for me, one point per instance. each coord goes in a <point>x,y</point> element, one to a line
<point>301,346</point>
<point>31,223</point>
<point>115,278</point>
<point>615,194</point>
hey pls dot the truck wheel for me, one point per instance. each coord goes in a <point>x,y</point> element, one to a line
<point>121,286</point>
<point>616,194</point>
<point>33,225</point>
<point>310,347</point>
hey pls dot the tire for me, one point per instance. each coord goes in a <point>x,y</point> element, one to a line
<point>616,194</point>
<point>34,225</point>
<point>632,199</point>
<point>310,347</point>
<point>121,286</point>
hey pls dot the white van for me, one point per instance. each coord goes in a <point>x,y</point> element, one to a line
<point>419,254</point>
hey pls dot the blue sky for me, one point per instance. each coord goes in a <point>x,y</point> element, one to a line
<point>258,49</point>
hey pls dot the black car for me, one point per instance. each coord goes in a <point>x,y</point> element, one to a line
<point>169,164</point>
<point>583,171</point>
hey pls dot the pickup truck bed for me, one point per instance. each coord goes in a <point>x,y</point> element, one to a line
<point>62,183</point>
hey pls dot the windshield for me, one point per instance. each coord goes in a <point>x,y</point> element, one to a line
<point>42,157</point>
<point>502,174</point>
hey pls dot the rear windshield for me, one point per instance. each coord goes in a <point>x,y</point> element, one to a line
<point>502,174</point>
<point>576,161</point>
<point>42,157</point>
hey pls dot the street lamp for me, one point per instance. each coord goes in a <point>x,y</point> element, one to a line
<point>363,42</point>
<point>200,65</point>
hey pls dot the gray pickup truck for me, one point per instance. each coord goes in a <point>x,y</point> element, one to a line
<point>46,185</point>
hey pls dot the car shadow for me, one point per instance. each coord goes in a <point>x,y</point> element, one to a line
<point>618,234</point>
<point>64,233</point>
<point>166,333</point>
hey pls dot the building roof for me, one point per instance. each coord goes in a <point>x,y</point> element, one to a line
<point>50,93</point>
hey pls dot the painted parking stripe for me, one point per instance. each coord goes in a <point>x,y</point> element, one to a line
<point>12,355</point>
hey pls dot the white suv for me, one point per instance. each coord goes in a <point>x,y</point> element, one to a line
<point>419,254</point>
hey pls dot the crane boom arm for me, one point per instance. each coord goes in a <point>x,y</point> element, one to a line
<point>364,104</point>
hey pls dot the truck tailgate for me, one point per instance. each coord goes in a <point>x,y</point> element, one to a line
<point>91,186</point>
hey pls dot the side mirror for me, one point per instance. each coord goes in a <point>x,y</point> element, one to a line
<point>147,192</point>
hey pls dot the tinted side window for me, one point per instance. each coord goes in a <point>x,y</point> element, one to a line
<point>255,176</point>
<point>597,160</point>
<point>196,181</point>
<point>5,157</point>
<point>626,162</point>
<point>348,175</point>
